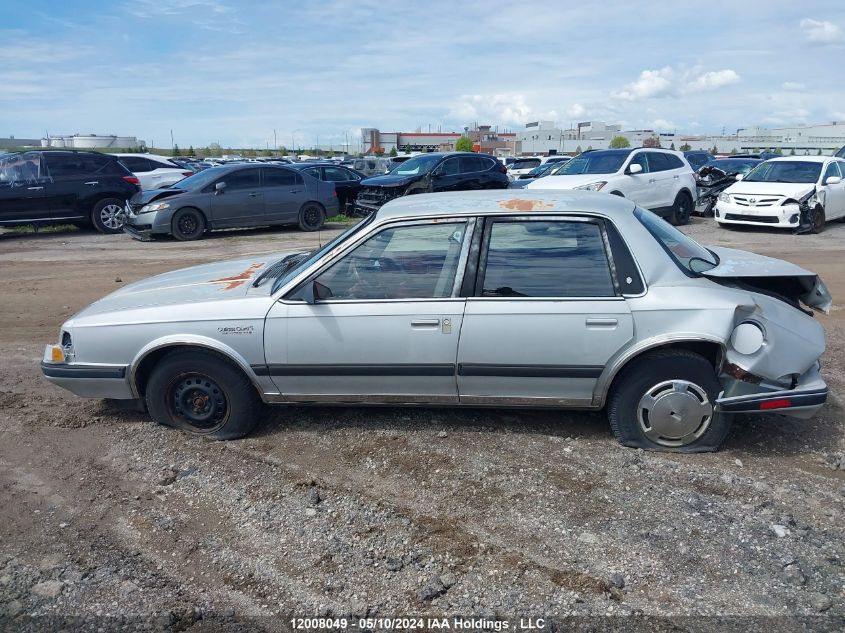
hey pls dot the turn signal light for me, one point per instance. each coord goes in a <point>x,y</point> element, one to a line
<point>776,404</point>
<point>57,354</point>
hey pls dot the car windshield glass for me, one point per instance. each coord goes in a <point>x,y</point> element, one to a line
<point>200,179</point>
<point>733,165</point>
<point>315,255</point>
<point>416,166</point>
<point>598,163</point>
<point>785,171</point>
<point>688,254</point>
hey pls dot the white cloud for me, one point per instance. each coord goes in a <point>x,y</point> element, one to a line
<point>507,108</point>
<point>713,80</point>
<point>576,111</point>
<point>793,86</point>
<point>820,32</point>
<point>663,125</point>
<point>651,83</point>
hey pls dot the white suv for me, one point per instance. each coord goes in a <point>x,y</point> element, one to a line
<point>657,179</point>
<point>154,172</point>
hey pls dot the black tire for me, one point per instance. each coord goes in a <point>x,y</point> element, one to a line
<point>681,209</point>
<point>673,379</point>
<point>187,225</point>
<point>223,403</point>
<point>312,217</point>
<point>817,220</point>
<point>107,216</point>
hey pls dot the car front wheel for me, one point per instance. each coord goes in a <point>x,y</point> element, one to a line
<point>666,400</point>
<point>682,209</point>
<point>108,216</point>
<point>187,225</point>
<point>199,392</point>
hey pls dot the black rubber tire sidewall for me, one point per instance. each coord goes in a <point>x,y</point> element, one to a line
<point>817,223</point>
<point>677,217</point>
<point>95,216</point>
<point>195,235</point>
<point>244,405</point>
<point>652,368</point>
<point>303,224</point>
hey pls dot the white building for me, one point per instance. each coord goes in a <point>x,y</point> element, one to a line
<point>87,141</point>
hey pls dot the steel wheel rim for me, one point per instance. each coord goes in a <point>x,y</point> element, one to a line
<point>111,216</point>
<point>674,413</point>
<point>198,401</point>
<point>187,224</point>
<point>311,216</point>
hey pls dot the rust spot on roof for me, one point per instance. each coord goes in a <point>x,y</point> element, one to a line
<point>237,280</point>
<point>518,204</point>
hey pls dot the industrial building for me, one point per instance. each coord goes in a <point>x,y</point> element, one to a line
<point>485,140</point>
<point>89,141</point>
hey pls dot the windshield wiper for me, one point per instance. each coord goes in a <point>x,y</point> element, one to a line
<point>280,267</point>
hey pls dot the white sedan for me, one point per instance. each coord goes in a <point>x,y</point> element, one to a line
<point>773,193</point>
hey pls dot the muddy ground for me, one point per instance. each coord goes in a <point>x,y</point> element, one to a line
<point>393,511</point>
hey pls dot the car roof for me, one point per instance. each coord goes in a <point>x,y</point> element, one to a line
<point>804,159</point>
<point>505,202</point>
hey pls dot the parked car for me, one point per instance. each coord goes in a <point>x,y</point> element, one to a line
<point>62,186</point>
<point>496,298</point>
<point>371,165</point>
<point>546,169</point>
<point>347,182</point>
<point>716,176</point>
<point>523,165</point>
<point>840,153</point>
<point>657,179</point>
<point>698,158</point>
<point>231,196</point>
<point>427,173</point>
<point>773,193</point>
<point>154,172</point>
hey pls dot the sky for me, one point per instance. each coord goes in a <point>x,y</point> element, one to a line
<point>316,71</point>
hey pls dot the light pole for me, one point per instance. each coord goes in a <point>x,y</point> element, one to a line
<point>275,142</point>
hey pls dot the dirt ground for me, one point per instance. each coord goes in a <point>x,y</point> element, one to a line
<point>355,512</point>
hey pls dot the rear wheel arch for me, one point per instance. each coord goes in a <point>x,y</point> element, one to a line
<point>712,350</point>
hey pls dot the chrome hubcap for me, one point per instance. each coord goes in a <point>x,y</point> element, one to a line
<point>674,413</point>
<point>112,216</point>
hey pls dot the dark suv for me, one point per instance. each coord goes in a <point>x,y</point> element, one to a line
<point>427,173</point>
<point>59,186</point>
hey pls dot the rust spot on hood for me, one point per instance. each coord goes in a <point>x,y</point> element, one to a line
<point>519,204</point>
<point>238,280</point>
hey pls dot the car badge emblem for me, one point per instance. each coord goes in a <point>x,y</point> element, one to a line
<point>752,200</point>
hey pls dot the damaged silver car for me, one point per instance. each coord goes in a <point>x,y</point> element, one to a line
<point>570,300</point>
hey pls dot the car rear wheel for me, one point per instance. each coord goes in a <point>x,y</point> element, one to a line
<point>311,217</point>
<point>681,210</point>
<point>817,220</point>
<point>187,225</point>
<point>666,401</point>
<point>199,392</point>
<point>107,216</point>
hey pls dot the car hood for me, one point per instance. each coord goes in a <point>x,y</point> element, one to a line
<point>788,189</point>
<point>208,282</point>
<point>147,196</point>
<point>770,276</point>
<point>388,180</point>
<point>567,182</point>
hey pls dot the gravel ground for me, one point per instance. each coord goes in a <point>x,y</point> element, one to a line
<point>117,523</point>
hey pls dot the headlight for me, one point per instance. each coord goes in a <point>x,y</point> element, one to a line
<point>723,197</point>
<point>788,201</point>
<point>155,206</point>
<point>747,338</point>
<point>593,186</point>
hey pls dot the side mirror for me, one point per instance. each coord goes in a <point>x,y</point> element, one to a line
<point>833,180</point>
<point>634,168</point>
<point>312,292</point>
<point>739,176</point>
<point>219,187</point>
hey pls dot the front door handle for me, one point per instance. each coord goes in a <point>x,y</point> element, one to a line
<point>34,188</point>
<point>651,179</point>
<point>92,182</point>
<point>253,194</point>
<point>425,323</point>
<point>602,321</point>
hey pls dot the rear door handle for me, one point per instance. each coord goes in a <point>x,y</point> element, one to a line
<point>92,182</point>
<point>425,323</point>
<point>602,321</point>
<point>34,188</point>
<point>253,194</point>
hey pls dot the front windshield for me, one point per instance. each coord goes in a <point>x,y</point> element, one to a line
<point>689,255</point>
<point>796,171</point>
<point>317,254</point>
<point>590,163</point>
<point>733,165</point>
<point>416,166</point>
<point>199,179</point>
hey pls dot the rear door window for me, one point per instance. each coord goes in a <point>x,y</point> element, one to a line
<point>136,164</point>
<point>555,258</point>
<point>336,174</point>
<point>278,177</point>
<point>472,164</point>
<point>658,161</point>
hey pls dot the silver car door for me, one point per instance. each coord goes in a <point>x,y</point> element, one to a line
<point>546,315</point>
<point>386,329</point>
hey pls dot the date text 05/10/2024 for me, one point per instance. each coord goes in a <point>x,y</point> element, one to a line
<point>419,623</point>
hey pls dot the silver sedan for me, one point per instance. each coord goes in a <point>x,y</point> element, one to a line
<point>499,298</point>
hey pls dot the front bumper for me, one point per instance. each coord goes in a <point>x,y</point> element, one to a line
<point>88,380</point>
<point>785,216</point>
<point>144,234</point>
<point>808,396</point>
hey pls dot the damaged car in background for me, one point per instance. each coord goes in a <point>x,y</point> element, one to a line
<point>555,299</point>
<point>429,173</point>
<point>797,192</point>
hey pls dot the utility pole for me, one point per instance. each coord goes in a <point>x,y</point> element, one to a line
<point>172,145</point>
<point>275,143</point>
